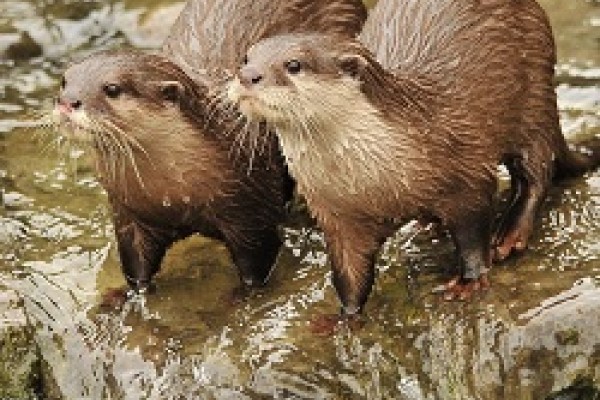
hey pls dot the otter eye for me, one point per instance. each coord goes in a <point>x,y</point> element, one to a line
<point>63,82</point>
<point>293,66</point>
<point>112,90</point>
<point>245,60</point>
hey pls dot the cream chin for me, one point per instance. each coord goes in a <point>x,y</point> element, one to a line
<point>246,100</point>
<point>80,126</point>
<point>234,89</point>
<point>81,119</point>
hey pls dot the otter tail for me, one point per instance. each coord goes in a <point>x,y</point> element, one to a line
<point>581,157</point>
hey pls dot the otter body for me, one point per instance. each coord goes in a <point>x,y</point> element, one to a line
<point>411,122</point>
<point>163,142</point>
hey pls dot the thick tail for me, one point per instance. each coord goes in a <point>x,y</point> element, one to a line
<point>578,158</point>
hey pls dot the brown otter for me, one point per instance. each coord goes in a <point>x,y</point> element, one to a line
<point>465,85</point>
<point>160,137</point>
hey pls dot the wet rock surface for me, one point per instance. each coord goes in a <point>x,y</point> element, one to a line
<point>534,335</point>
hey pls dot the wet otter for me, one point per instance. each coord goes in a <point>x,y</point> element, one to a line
<point>166,169</point>
<point>463,85</point>
<point>163,142</point>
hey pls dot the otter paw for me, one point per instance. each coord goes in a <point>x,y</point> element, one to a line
<point>463,289</point>
<point>329,324</point>
<point>511,242</point>
<point>114,298</point>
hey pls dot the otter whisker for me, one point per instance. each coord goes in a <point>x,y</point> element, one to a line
<point>241,135</point>
<point>105,149</point>
<point>112,157</point>
<point>119,146</point>
<point>102,156</point>
<point>52,145</point>
<point>113,153</point>
<point>44,127</point>
<point>239,138</point>
<point>128,138</point>
<point>217,106</point>
<point>253,136</point>
<point>131,157</point>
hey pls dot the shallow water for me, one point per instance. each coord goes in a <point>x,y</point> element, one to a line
<point>535,332</point>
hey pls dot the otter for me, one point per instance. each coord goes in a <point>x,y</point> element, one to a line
<point>411,122</point>
<point>166,169</point>
<point>163,141</point>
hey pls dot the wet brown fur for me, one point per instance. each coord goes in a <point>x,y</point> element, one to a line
<point>452,88</point>
<point>185,172</point>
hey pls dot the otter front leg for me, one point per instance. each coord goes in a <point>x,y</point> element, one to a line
<point>529,182</point>
<point>353,246</point>
<point>471,235</point>
<point>141,251</point>
<point>254,254</point>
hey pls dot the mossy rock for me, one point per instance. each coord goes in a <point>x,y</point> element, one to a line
<point>19,366</point>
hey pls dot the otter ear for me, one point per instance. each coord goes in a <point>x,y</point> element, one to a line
<point>171,90</point>
<point>352,64</point>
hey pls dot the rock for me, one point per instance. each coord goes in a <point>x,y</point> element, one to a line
<point>24,48</point>
<point>19,366</point>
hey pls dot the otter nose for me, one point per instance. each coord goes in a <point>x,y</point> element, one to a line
<point>69,103</point>
<point>250,76</point>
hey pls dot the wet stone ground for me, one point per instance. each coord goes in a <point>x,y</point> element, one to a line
<point>534,335</point>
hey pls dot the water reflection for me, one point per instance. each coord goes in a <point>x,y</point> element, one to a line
<point>534,333</point>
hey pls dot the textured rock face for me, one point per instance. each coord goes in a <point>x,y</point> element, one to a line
<point>19,364</point>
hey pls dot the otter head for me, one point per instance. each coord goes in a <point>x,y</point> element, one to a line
<point>121,95</point>
<point>309,79</point>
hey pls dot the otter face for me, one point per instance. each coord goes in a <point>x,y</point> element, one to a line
<point>111,93</point>
<point>295,77</point>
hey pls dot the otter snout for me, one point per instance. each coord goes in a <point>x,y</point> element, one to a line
<point>70,110</point>
<point>68,104</point>
<point>250,76</point>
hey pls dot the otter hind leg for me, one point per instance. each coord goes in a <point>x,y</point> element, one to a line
<point>503,236</point>
<point>528,186</point>
<point>535,141</point>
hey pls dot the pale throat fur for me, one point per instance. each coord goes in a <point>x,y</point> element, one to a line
<point>334,140</point>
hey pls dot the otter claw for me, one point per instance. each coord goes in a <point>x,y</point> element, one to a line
<point>513,242</point>
<point>463,289</point>
<point>114,298</point>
